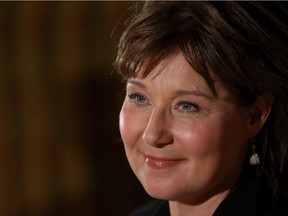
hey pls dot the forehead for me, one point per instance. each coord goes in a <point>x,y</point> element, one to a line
<point>176,73</point>
<point>173,59</point>
<point>174,70</point>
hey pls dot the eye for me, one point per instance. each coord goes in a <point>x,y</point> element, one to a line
<point>138,99</point>
<point>186,106</point>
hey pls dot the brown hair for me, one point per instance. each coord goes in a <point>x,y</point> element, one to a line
<point>245,44</point>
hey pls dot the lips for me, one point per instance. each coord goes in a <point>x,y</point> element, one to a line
<point>160,163</point>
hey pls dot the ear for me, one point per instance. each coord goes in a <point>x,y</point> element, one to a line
<point>259,112</point>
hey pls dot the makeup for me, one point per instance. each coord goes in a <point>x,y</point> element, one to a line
<point>160,163</point>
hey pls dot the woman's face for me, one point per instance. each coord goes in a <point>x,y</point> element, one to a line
<point>181,141</point>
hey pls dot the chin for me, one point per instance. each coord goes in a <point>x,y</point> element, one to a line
<point>167,194</point>
<point>162,190</point>
<point>163,195</point>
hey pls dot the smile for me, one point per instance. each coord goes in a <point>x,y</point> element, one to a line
<point>160,163</point>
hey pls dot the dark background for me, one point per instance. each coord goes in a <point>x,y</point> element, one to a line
<point>60,148</point>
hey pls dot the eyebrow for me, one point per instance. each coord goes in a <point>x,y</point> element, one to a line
<point>178,92</point>
<point>195,93</point>
<point>134,82</point>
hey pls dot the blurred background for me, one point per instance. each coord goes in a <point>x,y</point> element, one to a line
<point>60,148</point>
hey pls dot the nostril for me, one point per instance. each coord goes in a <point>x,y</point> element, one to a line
<point>158,137</point>
<point>157,131</point>
<point>161,145</point>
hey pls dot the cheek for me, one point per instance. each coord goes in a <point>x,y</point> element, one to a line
<point>130,126</point>
<point>124,125</point>
<point>195,138</point>
<point>221,140</point>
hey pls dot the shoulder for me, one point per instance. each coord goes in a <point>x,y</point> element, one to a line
<point>154,208</point>
<point>251,199</point>
<point>271,207</point>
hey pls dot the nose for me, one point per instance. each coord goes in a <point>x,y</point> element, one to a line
<point>157,132</point>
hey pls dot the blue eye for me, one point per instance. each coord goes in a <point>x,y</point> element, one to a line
<point>186,106</point>
<point>138,99</point>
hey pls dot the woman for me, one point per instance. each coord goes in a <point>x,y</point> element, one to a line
<point>204,121</point>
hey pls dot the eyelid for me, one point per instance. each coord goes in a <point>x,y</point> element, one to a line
<point>133,96</point>
<point>196,106</point>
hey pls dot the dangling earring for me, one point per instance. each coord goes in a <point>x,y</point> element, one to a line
<point>254,159</point>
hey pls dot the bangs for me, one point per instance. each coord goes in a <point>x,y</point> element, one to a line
<point>155,36</point>
<point>138,59</point>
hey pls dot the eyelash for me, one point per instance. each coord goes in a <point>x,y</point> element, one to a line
<point>193,107</point>
<point>140,101</point>
<point>134,98</point>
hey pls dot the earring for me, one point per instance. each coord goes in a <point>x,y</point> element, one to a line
<point>254,159</point>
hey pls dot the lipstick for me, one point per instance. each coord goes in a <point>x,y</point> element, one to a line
<point>160,163</point>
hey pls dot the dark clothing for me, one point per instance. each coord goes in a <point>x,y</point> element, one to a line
<point>155,208</point>
<point>246,199</point>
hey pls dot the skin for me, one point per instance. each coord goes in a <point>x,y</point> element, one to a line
<point>183,143</point>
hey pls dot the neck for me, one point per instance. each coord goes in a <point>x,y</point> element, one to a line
<point>206,208</point>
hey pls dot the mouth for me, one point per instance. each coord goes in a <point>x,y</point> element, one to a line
<point>161,163</point>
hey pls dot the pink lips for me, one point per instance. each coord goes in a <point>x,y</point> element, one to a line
<point>161,162</point>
